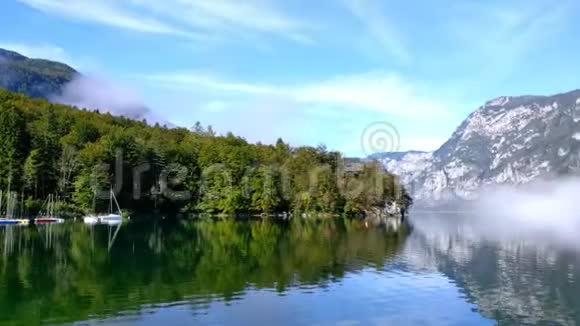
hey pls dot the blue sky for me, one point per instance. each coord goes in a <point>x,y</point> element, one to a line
<point>310,71</point>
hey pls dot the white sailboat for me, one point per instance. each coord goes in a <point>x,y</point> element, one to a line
<point>112,218</point>
<point>92,218</point>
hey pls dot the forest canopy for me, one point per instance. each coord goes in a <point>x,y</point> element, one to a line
<point>76,154</point>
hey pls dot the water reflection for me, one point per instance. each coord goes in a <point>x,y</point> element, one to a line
<point>71,272</point>
<point>514,280</point>
<point>300,271</point>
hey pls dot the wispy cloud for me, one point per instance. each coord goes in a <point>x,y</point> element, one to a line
<point>385,33</point>
<point>377,92</point>
<point>190,81</point>
<point>334,111</point>
<point>195,19</point>
<point>224,14</point>
<point>107,13</point>
<point>500,34</point>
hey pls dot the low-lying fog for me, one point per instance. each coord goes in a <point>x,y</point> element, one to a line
<point>545,213</point>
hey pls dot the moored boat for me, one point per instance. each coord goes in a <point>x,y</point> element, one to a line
<point>46,220</point>
<point>112,218</point>
<point>11,207</point>
<point>13,221</point>
<point>50,216</point>
<point>91,219</point>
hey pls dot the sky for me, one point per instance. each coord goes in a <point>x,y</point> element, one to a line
<point>359,76</point>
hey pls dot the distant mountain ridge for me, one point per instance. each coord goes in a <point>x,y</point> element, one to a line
<point>60,83</point>
<point>508,140</point>
<point>33,77</point>
<point>393,155</point>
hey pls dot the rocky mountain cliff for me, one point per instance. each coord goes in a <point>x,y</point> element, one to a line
<point>33,77</point>
<point>508,140</point>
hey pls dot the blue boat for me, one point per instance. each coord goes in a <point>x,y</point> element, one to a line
<point>13,221</point>
<point>8,219</point>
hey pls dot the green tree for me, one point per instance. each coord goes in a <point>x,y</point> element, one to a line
<point>13,146</point>
<point>32,172</point>
<point>56,149</point>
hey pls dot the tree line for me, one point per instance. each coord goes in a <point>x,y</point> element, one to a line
<point>74,154</point>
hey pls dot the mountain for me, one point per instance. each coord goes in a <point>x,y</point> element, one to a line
<point>62,84</point>
<point>508,140</point>
<point>393,155</point>
<point>33,77</point>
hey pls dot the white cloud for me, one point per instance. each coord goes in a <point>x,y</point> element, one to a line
<point>190,81</point>
<point>105,12</point>
<point>334,111</point>
<point>376,92</point>
<point>266,118</point>
<point>257,15</point>
<point>379,27</point>
<point>100,93</point>
<point>198,19</point>
<point>379,92</point>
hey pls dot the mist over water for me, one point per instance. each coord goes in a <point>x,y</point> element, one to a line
<point>544,213</point>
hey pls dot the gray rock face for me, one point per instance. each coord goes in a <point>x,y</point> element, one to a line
<point>508,140</point>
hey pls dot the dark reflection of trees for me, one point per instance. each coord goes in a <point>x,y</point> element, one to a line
<point>66,272</point>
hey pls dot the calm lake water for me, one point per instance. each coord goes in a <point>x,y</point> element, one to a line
<point>329,272</point>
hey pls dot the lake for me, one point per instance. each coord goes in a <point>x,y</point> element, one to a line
<point>310,272</point>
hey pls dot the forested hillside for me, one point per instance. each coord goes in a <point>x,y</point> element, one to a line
<point>55,149</point>
<point>33,77</point>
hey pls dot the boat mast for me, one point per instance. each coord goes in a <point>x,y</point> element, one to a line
<point>95,202</point>
<point>116,202</point>
<point>50,202</point>
<point>10,205</point>
<point>7,211</point>
<point>13,208</point>
<point>21,204</point>
<point>8,196</point>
